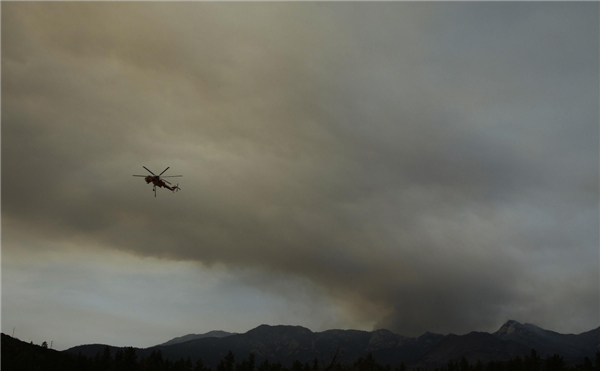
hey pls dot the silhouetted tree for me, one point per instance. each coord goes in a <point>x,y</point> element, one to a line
<point>182,365</point>
<point>264,366</point>
<point>277,366</point>
<point>532,362</point>
<point>332,364</point>
<point>82,362</point>
<point>119,365</point>
<point>188,364</point>
<point>143,365</point>
<point>555,363</point>
<point>200,366</point>
<point>155,361</point>
<point>104,360</point>
<point>492,366</point>
<point>129,359</point>
<point>227,362</point>
<point>587,364</point>
<point>515,364</point>
<point>247,364</point>
<point>464,364</point>
<point>366,364</point>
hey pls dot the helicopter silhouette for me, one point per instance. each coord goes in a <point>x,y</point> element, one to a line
<point>157,181</point>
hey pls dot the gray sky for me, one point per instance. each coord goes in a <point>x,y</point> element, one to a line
<point>412,166</point>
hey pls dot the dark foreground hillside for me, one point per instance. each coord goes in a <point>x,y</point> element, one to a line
<point>18,355</point>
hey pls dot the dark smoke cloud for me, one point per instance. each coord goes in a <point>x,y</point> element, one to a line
<point>429,166</point>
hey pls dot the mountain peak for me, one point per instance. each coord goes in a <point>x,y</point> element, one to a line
<point>508,328</point>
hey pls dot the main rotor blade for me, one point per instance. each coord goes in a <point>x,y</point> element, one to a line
<point>149,170</point>
<point>166,181</point>
<point>164,171</point>
<point>171,176</point>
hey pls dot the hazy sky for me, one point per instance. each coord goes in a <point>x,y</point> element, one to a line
<point>412,166</point>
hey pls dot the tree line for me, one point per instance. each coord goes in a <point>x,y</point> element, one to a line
<point>36,358</point>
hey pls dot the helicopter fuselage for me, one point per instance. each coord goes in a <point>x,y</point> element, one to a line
<point>156,181</point>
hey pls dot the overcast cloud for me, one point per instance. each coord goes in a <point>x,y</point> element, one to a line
<point>417,166</point>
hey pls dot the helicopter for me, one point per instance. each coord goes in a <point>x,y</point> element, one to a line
<point>157,181</point>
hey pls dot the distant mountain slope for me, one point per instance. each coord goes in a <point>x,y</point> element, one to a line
<point>473,346</point>
<point>571,347</point>
<point>286,344</point>
<point>289,343</point>
<point>590,340</point>
<point>405,349</point>
<point>183,339</point>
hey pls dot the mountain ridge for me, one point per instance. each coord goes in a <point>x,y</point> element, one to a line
<point>188,337</point>
<point>286,344</point>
